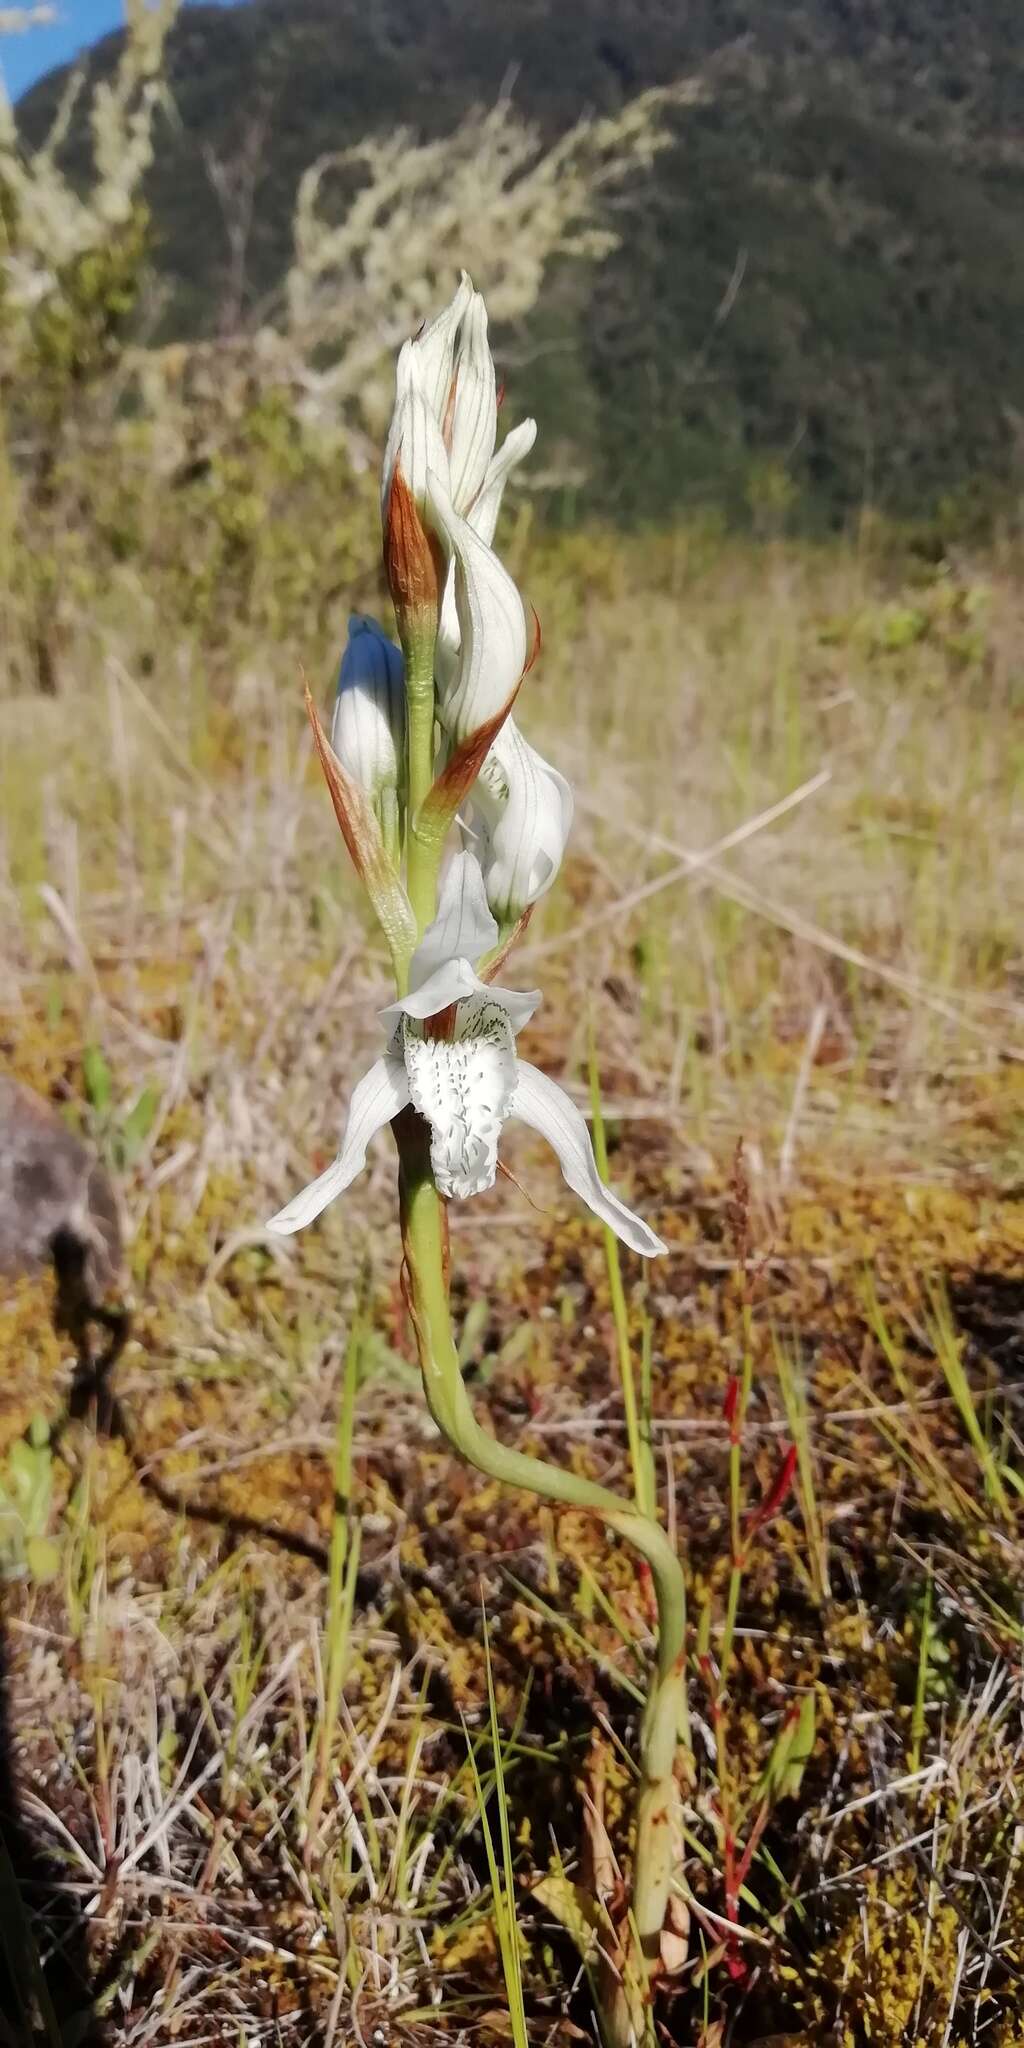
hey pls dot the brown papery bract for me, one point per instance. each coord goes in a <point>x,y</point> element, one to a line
<point>410,557</point>
<point>461,771</point>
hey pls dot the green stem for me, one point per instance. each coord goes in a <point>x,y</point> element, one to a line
<point>342,1566</point>
<point>736,1559</point>
<point>423,856</point>
<point>658,1814</point>
<point>644,1485</point>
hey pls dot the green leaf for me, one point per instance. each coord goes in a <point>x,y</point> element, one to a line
<point>574,1910</point>
<point>800,1749</point>
<point>42,1555</point>
<point>137,1125</point>
<point>39,1433</point>
<point>97,1077</point>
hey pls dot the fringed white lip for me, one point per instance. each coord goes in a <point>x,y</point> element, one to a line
<point>468,1084</point>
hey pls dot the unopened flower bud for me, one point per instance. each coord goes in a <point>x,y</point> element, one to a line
<point>415,451</point>
<point>480,676</point>
<point>415,441</point>
<point>523,812</point>
<point>368,727</point>
<point>435,347</point>
<point>471,424</point>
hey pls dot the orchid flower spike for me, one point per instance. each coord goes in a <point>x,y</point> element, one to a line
<point>467,1083</point>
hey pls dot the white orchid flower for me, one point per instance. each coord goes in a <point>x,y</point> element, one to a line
<point>468,1083</point>
<point>368,725</point>
<point>522,815</point>
<point>478,677</point>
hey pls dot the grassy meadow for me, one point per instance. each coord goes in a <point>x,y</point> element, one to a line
<point>304,1719</point>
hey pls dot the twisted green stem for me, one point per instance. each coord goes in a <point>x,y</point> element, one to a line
<point>626,2015</point>
<point>657,1825</point>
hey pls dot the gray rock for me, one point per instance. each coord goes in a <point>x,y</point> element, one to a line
<point>57,1205</point>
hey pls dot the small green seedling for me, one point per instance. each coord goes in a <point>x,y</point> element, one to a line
<point>120,1129</point>
<point>26,1499</point>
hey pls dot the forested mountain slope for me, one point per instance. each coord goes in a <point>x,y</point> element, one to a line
<point>820,289</point>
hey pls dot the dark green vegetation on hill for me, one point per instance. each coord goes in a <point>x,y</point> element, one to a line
<point>858,166</point>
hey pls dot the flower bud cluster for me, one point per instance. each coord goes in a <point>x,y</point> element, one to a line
<point>461,620</point>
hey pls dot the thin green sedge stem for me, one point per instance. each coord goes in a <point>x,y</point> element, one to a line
<point>644,1486</point>
<point>658,1813</point>
<point>646,1381</point>
<point>737,1559</point>
<point>342,1566</point>
<point>918,1718</point>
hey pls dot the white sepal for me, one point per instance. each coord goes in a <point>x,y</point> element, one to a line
<point>435,349</point>
<point>454,982</point>
<point>482,516</point>
<point>483,513</point>
<point>539,1102</point>
<point>463,928</point>
<point>379,1096</point>
<point>492,623</point>
<point>414,437</point>
<point>368,726</point>
<point>474,421</point>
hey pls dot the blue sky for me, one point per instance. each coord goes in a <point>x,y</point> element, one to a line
<point>24,58</point>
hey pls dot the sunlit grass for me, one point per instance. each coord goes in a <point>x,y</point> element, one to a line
<point>244,1701</point>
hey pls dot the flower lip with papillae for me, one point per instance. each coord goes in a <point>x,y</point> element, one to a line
<point>468,1084</point>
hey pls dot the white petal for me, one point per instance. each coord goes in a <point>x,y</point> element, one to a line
<point>379,1096</point>
<point>475,416</point>
<point>453,982</point>
<point>492,623</point>
<point>483,514</point>
<point>435,349</point>
<point>483,518</point>
<point>539,1102</point>
<point>414,436</point>
<point>524,807</point>
<point>449,639</point>
<point>463,1086</point>
<point>463,928</point>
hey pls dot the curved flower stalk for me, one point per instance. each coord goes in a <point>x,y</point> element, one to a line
<point>449,1076</point>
